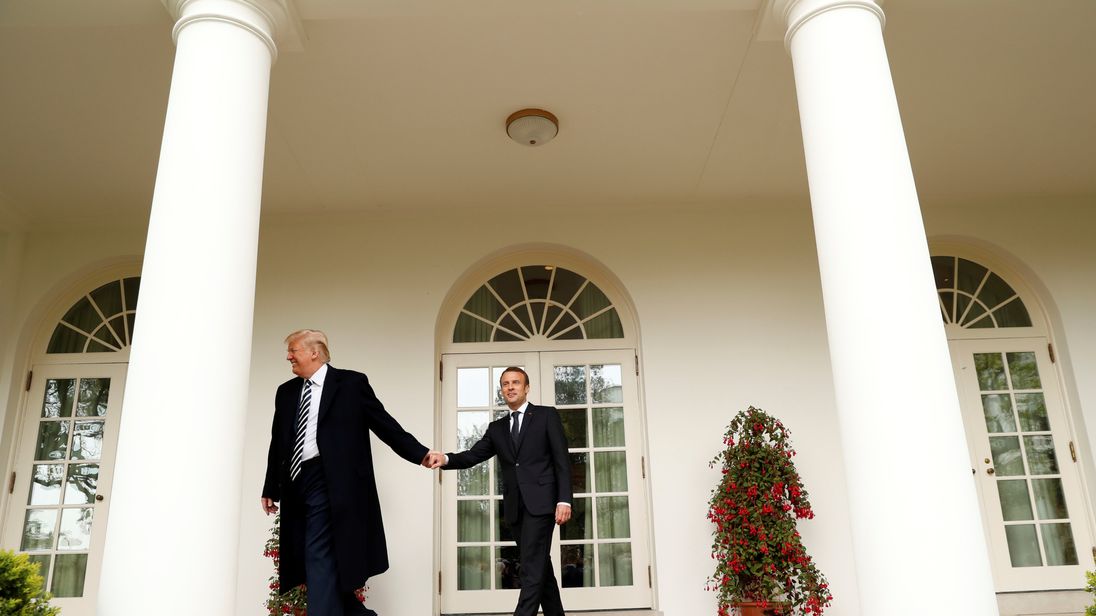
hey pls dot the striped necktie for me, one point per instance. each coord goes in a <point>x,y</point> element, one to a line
<point>302,425</point>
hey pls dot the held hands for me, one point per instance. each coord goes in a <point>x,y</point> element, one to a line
<point>563,513</point>
<point>433,459</point>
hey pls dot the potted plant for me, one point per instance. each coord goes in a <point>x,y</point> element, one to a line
<point>294,602</point>
<point>22,589</point>
<point>761,565</point>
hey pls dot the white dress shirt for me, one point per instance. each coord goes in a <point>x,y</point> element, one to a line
<point>311,449</point>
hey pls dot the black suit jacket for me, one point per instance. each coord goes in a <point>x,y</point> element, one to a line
<point>348,411</point>
<point>537,471</point>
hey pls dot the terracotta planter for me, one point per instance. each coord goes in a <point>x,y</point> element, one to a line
<point>755,609</point>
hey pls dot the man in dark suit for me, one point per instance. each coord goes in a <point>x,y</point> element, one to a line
<point>320,469</point>
<point>536,476</point>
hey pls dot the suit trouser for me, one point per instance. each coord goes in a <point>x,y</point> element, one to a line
<point>538,580</point>
<point>320,568</point>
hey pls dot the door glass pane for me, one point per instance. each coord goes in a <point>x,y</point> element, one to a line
<point>605,384</point>
<point>580,473</point>
<point>581,525</point>
<point>1050,499</point>
<point>1033,413</point>
<point>471,426</point>
<point>609,427</point>
<point>52,443</point>
<point>610,468</point>
<point>38,528</point>
<point>997,409</point>
<point>508,567</point>
<point>45,484</point>
<point>1015,500</point>
<point>94,394</point>
<point>75,529</point>
<point>574,427</point>
<point>42,560</point>
<point>570,384</point>
<point>1024,372</point>
<point>577,562</point>
<point>1006,455</point>
<point>1040,455</point>
<point>81,484</point>
<point>68,575</point>
<point>58,398</point>
<point>473,520</point>
<point>87,440</point>
<point>1058,541</point>
<point>612,517</point>
<point>615,563</point>
<point>474,568</point>
<point>473,481</point>
<point>473,387</point>
<point>991,371</point>
<point>1023,546</point>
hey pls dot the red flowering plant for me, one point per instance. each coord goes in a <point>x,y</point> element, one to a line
<point>295,601</point>
<point>758,551</point>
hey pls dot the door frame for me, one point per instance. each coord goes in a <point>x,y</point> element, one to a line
<point>25,436</point>
<point>1008,578</point>
<point>642,531</point>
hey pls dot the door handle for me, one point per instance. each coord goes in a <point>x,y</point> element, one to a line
<point>990,471</point>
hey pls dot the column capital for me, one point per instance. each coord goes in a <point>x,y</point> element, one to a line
<point>275,22</point>
<point>793,14</point>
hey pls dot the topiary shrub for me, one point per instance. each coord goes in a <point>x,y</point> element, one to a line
<point>21,592</point>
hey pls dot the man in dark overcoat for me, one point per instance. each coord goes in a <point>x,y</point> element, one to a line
<point>320,469</point>
<point>536,486</point>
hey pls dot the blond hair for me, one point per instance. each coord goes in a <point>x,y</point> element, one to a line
<point>313,339</point>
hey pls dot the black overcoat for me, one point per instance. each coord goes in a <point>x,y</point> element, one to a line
<point>537,471</point>
<point>348,411</point>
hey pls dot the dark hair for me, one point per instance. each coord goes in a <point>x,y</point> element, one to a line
<point>516,369</point>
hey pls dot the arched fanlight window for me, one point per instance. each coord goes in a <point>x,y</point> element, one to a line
<point>99,322</point>
<point>537,301</point>
<point>973,297</point>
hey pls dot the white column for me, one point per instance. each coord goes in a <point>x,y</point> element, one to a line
<point>172,538</point>
<point>917,531</point>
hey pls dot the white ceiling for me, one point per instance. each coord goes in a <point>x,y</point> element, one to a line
<point>400,104</point>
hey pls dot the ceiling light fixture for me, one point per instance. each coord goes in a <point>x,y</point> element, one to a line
<point>532,126</point>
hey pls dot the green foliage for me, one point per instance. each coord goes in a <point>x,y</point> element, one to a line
<point>758,551</point>
<point>21,585</point>
<point>1090,577</point>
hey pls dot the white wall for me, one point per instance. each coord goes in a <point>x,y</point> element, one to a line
<point>730,314</point>
<point>729,310</point>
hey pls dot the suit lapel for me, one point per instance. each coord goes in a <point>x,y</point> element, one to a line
<point>330,386</point>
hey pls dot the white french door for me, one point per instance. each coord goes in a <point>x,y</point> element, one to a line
<point>1025,465</point>
<point>601,557</point>
<point>65,457</point>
